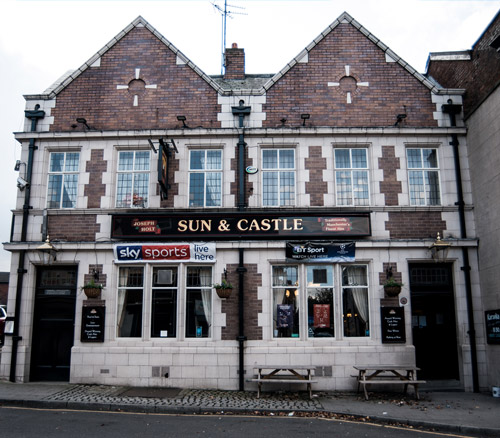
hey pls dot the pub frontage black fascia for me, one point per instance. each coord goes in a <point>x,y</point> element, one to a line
<point>240,225</point>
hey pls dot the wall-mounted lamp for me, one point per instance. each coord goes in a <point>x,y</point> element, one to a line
<point>18,165</point>
<point>9,325</point>
<point>439,249</point>
<point>183,120</point>
<point>305,117</point>
<point>83,122</point>
<point>47,252</point>
<point>22,183</point>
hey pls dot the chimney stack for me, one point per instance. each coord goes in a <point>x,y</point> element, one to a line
<point>235,63</point>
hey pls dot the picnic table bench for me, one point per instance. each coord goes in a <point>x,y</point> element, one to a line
<point>302,374</point>
<point>388,374</point>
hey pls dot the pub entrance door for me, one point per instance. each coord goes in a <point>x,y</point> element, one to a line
<point>53,323</point>
<point>433,321</point>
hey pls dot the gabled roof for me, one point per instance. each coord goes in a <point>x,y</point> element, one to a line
<point>257,84</point>
<point>346,18</point>
<point>70,76</point>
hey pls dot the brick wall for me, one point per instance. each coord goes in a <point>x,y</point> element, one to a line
<point>479,76</point>
<point>252,305</point>
<point>235,183</point>
<point>415,225</point>
<point>95,188</point>
<point>73,228</point>
<point>316,187</point>
<point>382,276</point>
<point>95,271</point>
<point>235,63</point>
<point>94,94</point>
<point>390,186</point>
<point>173,167</point>
<point>304,88</point>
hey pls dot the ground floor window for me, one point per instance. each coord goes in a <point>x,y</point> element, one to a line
<point>326,313</point>
<point>355,301</point>
<point>198,302</point>
<point>130,298</point>
<point>164,303</point>
<point>320,301</point>
<point>175,296</point>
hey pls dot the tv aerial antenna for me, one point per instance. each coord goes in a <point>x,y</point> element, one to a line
<point>225,13</point>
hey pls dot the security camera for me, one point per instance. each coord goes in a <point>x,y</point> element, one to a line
<point>22,183</point>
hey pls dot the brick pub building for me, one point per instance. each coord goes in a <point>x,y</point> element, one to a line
<point>306,190</point>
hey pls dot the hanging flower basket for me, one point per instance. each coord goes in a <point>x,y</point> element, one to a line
<point>92,290</point>
<point>392,291</point>
<point>392,288</point>
<point>223,289</point>
<point>223,293</point>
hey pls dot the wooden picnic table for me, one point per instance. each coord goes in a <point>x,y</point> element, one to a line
<point>284,374</point>
<point>388,374</point>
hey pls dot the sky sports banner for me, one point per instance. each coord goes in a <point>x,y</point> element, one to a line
<point>179,252</point>
<point>321,252</point>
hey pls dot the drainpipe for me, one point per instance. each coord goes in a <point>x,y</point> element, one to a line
<point>452,110</point>
<point>33,115</point>
<point>241,111</point>
<point>241,329</point>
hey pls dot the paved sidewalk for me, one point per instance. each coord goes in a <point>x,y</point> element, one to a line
<point>462,412</point>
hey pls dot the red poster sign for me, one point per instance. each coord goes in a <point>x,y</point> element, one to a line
<point>321,315</point>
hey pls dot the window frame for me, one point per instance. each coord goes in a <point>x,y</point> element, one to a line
<point>208,288</point>
<point>173,288</point>
<point>280,171</point>
<point>343,290</point>
<point>351,170</point>
<point>337,303</point>
<point>125,289</point>
<point>426,191</point>
<point>135,200</point>
<point>61,184</point>
<point>205,172</point>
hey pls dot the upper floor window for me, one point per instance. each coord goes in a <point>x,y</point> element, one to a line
<point>63,179</point>
<point>133,179</point>
<point>205,178</point>
<point>351,177</point>
<point>278,177</point>
<point>423,177</point>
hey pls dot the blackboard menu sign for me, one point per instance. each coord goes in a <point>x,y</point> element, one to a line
<point>493,326</point>
<point>93,323</point>
<point>393,325</point>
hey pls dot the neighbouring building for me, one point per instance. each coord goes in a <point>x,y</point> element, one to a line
<point>306,190</point>
<point>478,72</point>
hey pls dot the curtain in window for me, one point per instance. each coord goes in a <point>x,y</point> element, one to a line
<point>356,276</point>
<point>206,296</point>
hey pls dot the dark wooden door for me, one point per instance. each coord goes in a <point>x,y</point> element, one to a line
<point>433,321</point>
<point>53,324</point>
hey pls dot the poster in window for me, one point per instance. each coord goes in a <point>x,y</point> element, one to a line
<point>493,326</point>
<point>285,316</point>
<point>321,315</point>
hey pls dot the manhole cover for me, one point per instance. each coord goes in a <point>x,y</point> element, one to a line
<point>151,392</point>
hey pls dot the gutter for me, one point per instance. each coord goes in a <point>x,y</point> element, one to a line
<point>452,110</point>
<point>34,116</point>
